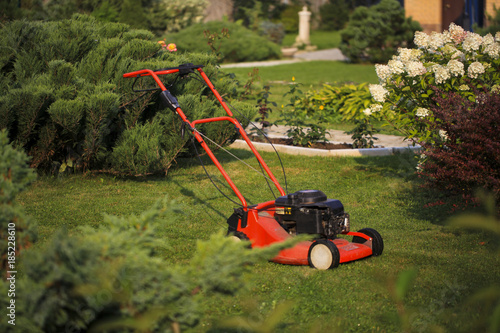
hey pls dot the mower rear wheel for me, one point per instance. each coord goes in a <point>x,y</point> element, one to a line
<point>377,241</point>
<point>323,255</point>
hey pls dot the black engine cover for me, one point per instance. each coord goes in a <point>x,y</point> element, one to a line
<point>309,212</point>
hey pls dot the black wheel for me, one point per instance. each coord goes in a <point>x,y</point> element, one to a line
<point>323,254</point>
<point>377,243</point>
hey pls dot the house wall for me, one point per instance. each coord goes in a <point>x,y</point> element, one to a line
<point>427,12</point>
<point>490,7</point>
<point>430,12</point>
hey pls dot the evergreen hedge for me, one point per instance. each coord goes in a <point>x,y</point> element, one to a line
<point>64,101</point>
<point>242,44</point>
<point>375,33</point>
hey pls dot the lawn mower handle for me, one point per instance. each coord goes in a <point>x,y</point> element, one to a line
<point>171,102</point>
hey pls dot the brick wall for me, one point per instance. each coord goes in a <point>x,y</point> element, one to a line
<point>490,7</point>
<point>426,12</point>
<point>429,12</point>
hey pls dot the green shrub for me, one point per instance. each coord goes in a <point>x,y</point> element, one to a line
<point>16,229</point>
<point>290,18</point>
<point>347,102</point>
<point>275,32</point>
<point>304,123</point>
<point>159,16</point>
<point>334,15</point>
<point>374,34</point>
<point>249,12</point>
<point>242,44</point>
<point>67,105</point>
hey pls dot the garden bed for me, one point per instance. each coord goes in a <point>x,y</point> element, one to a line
<point>289,142</point>
<point>283,145</point>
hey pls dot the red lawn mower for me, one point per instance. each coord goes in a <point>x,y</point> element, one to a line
<point>302,212</point>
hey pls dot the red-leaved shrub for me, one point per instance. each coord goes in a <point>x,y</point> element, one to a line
<point>469,156</point>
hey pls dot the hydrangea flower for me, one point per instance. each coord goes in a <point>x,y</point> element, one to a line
<point>472,42</point>
<point>422,112</point>
<point>441,74</point>
<point>488,40</point>
<point>406,55</point>
<point>436,41</point>
<point>449,49</point>
<point>457,33</point>
<point>458,55</point>
<point>383,72</point>
<point>367,112</point>
<point>372,109</point>
<point>475,69</point>
<point>396,66</point>
<point>415,68</point>
<point>493,50</point>
<point>455,68</point>
<point>421,39</point>
<point>378,92</point>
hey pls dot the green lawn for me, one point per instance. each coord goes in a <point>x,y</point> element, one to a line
<point>322,39</point>
<point>311,74</point>
<point>378,192</point>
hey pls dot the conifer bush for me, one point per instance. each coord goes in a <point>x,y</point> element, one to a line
<point>375,33</point>
<point>242,44</point>
<point>17,231</point>
<point>65,102</point>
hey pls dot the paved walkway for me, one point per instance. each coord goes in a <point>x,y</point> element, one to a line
<point>330,54</point>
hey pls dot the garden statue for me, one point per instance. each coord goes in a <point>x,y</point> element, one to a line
<point>302,41</point>
<point>304,23</point>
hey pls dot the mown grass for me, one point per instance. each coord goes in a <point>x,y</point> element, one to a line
<point>321,39</point>
<point>378,192</point>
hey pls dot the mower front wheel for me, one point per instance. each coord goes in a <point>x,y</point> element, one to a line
<point>238,236</point>
<point>377,241</point>
<point>323,254</point>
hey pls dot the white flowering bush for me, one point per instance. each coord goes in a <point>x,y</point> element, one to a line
<point>452,61</point>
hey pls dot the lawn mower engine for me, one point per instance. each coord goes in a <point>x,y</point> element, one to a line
<point>310,212</point>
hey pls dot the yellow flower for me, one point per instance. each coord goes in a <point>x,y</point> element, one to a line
<point>321,107</point>
<point>293,78</point>
<point>282,106</point>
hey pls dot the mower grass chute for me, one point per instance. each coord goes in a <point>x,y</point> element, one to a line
<point>302,212</point>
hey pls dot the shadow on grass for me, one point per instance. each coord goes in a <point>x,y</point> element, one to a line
<point>424,202</point>
<point>400,165</point>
